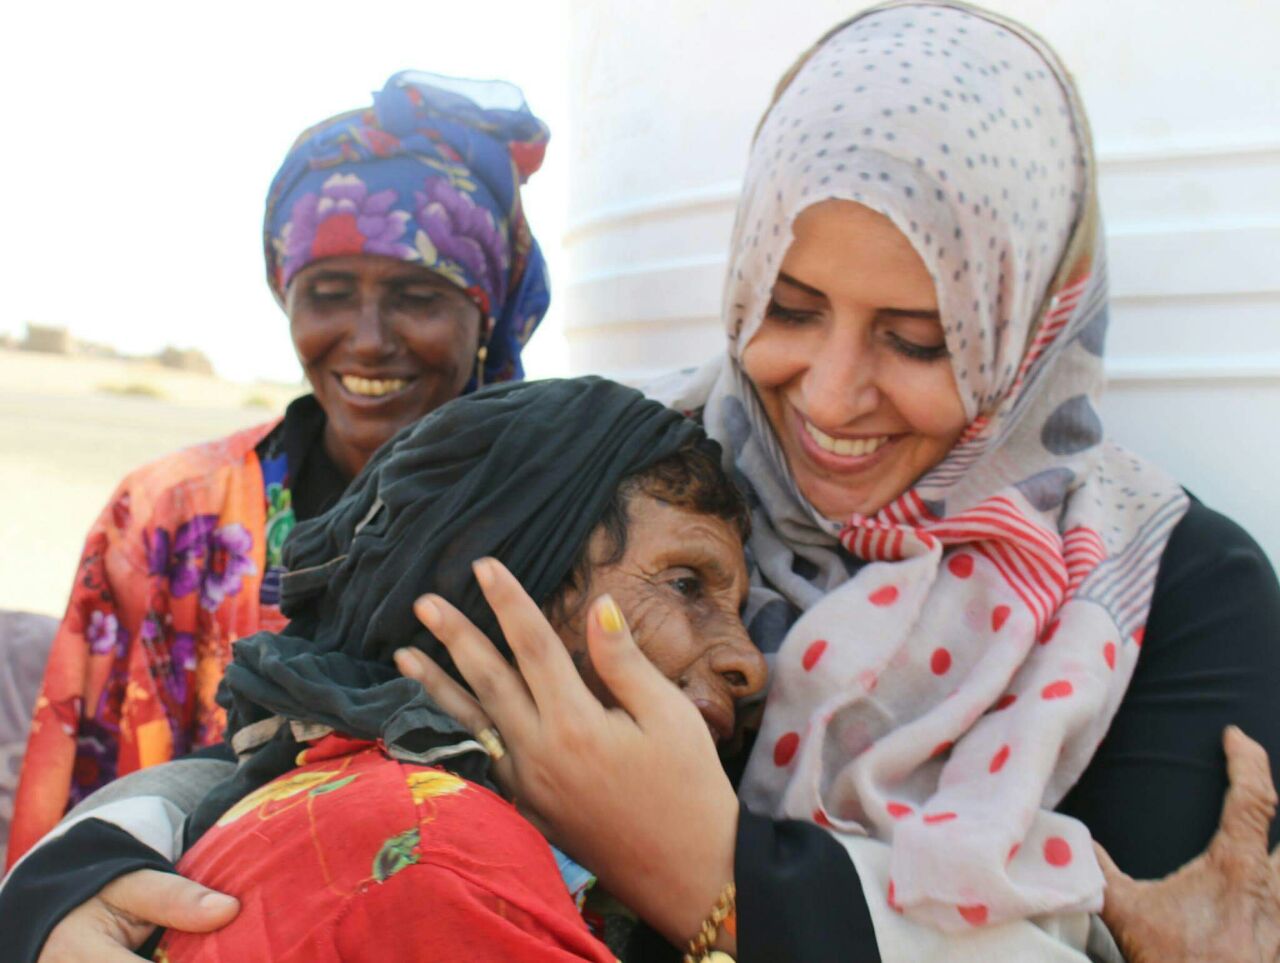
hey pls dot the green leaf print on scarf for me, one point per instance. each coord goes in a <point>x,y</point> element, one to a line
<point>397,853</point>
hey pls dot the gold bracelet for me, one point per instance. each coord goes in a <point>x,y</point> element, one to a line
<point>724,913</point>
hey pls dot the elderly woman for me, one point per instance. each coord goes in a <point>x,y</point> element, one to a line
<point>397,245</point>
<point>357,803</point>
<point>583,489</point>
<point>996,636</point>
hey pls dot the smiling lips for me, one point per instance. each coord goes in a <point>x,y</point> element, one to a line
<point>846,447</point>
<point>373,387</point>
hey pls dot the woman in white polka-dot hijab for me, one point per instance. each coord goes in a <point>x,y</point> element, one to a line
<point>956,567</point>
<point>916,306</point>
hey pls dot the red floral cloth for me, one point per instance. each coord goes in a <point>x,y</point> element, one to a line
<point>169,577</point>
<point>355,856</point>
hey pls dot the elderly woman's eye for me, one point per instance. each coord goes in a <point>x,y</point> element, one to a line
<point>690,586</point>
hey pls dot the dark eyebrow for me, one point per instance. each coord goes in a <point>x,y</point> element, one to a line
<point>807,289</point>
<point>925,313</point>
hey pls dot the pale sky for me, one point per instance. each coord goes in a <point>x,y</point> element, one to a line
<point>140,138</point>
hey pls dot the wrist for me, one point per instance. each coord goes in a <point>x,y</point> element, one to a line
<point>703,877</point>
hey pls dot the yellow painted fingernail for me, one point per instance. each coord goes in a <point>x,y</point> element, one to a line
<point>610,615</point>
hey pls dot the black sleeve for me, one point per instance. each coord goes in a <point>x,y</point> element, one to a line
<point>799,896</point>
<point>219,751</point>
<point>54,879</point>
<point>1210,658</point>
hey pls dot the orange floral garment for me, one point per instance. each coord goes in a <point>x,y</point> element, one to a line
<point>355,856</point>
<point>169,577</point>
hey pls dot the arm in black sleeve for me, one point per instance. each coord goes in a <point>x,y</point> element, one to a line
<point>1210,658</point>
<point>61,873</point>
<point>54,879</point>
<point>799,896</point>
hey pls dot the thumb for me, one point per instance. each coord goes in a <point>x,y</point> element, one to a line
<point>1251,797</point>
<point>171,901</point>
<point>1120,890</point>
<point>1116,878</point>
<point>632,679</point>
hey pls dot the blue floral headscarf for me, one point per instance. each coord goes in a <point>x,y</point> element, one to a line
<point>430,174</point>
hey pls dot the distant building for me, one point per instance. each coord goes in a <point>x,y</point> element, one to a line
<point>185,359</point>
<point>48,339</point>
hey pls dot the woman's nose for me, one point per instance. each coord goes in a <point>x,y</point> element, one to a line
<point>839,385</point>
<point>371,337</point>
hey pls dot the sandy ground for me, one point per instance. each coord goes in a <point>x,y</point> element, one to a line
<point>66,441</point>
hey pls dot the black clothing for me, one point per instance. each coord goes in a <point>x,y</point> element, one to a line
<point>522,472</point>
<point>53,880</point>
<point>1152,795</point>
<point>315,480</point>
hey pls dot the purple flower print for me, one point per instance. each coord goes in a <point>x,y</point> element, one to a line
<point>179,559</point>
<point>201,556</point>
<point>182,660</point>
<point>190,544</point>
<point>105,634</point>
<point>228,564</point>
<point>157,552</point>
<point>151,629</point>
<point>344,218</point>
<point>463,232</point>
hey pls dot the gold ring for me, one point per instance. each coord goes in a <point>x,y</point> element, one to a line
<point>492,742</point>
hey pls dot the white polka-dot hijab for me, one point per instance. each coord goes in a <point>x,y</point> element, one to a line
<point>947,668</point>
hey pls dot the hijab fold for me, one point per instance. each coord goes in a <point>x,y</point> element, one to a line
<point>944,669</point>
<point>521,472</point>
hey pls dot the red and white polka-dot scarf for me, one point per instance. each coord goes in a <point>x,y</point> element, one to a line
<point>958,656</point>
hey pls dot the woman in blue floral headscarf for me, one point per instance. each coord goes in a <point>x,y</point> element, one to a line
<point>397,245</point>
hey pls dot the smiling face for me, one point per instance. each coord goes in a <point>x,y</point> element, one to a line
<point>383,342</point>
<point>681,583</point>
<point>850,363</point>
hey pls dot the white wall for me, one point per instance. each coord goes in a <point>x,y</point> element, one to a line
<point>1185,105</point>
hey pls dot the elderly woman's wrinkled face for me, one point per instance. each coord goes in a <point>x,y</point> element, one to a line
<point>383,342</point>
<point>681,583</point>
<point>850,362</point>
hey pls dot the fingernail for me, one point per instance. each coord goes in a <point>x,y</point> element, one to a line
<point>218,901</point>
<point>408,659</point>
<point>483,569</point>
<point>610,615</point>
<point>427,611</point>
